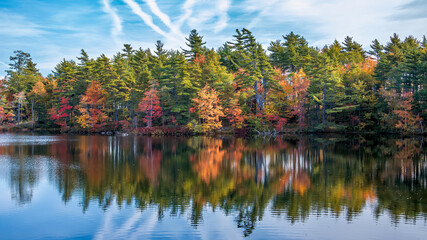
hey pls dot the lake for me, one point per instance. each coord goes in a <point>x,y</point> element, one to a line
<point>308,187</point>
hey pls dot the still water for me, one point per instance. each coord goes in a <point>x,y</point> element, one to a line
<point>96,187</point>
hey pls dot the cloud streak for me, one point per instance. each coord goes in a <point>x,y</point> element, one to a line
<point>223,7</point>
<point>14,25</point>
<point>145,17</point>
<point>324,21</point>
<point>187,8</point>
<point>164,18</point>
<point>211,15</point>
<point>116,28</point>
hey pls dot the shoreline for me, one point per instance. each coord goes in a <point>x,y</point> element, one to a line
<point>182,132</point>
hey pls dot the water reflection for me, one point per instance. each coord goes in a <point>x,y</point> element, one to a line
<point>294,178</point>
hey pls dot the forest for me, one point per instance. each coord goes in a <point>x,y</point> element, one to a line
<point>241,87</point>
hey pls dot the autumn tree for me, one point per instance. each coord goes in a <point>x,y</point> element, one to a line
<point>60,116</point>
<point>208,109</point>
<point>150,106</point>
<point>37,95</point>
<point>234,113</point>
<point>2,115</point>
<point>6,112</point>
<point>399,113</point>
<point>300,84</point>
<point>91,107</point>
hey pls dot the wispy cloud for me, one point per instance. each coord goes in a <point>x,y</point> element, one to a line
<point>14,25</point>
<point>223,7</point>
<point>116,28</point>
<point>327,20</point>
<point>415,9</point>
<point>210,15</point>
<point>261,11</point>
<point>164,18</point>
<point>145,17</point>
<point>187,8</point>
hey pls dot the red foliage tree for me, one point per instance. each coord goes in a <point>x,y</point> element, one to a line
<point>2,115</point>
<point>60,116</point>
<point>150,105</point>
<point>234,114</point>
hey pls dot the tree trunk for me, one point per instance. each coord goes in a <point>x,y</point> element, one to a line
<point>19,113</point>
<point>256,97</point>
<point>264,97</point>
<point>32,111</point>
<point>324,104</point>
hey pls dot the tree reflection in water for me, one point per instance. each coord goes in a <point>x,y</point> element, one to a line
<point>292,177</point>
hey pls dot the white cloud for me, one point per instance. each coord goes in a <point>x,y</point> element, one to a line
<point>145,17</point>
<point>210,15</point>
<point>223,7</point>
<point>164,18</point>
<point>335,19</point>
<point>173,38</point>
<point>14,25</point>
<point>116,28</point>
<point>187,8</point>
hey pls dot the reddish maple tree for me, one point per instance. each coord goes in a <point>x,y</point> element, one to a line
<point>234,114</point>
<point>150,105</point>
<point>280,124</point>
<point>2,115</point>
<point>60,116</point>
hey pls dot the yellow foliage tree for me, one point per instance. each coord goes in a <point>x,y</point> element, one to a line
<point>208,109</point>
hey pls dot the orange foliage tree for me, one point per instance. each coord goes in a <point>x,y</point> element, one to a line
<point>91,107</point>
<point>277,106</point>
<point>402,116</point>
<point>234,113</point>
<point>208,109</point>
<point>407,121</point>
<point>150,105</point>
<point>300,84</point>
<point>37,94</point>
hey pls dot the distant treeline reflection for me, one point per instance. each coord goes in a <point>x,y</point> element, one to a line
<point>298,176</point>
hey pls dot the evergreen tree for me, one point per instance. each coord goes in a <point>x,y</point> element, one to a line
<point>195,43</point>
<point>377,49</point>
<point>290,55</point>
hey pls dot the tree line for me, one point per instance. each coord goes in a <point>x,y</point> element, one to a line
<point>239,87</point>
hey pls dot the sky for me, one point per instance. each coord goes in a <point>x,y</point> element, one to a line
<point>51,30</point>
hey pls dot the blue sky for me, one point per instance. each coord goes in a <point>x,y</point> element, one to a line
<point>55,29</point>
